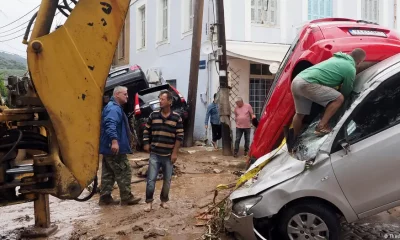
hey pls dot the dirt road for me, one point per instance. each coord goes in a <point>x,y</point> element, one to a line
<point>191,189</point>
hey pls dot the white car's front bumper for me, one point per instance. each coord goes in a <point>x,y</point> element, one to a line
<point>243,227</point>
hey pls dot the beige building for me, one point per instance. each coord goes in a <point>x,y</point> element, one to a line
<point>121,55</point>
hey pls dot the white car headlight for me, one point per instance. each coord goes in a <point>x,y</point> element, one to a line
<point>241,208</point>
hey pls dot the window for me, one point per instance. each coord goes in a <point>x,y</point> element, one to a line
<point>260,82</point>
<point>191,14</point>
<point>319,9</point>
<point>162,21</point>
<point>264,11</point>
<point>370,10</point>
<point>121,44</point>
<point>172,82</point>
<point>165,20</point>
<point>142,14</point>
<point>187,15</point>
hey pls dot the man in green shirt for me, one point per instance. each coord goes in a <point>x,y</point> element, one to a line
<point>317,84</point>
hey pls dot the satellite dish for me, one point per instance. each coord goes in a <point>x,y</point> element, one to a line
<point>206,47</point>
<point>273,67</point>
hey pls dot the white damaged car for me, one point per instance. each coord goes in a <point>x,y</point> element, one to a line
<point>352,173</point>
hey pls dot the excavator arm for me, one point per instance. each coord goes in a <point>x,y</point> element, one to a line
<point>50,130</point>
<point>68,68</point>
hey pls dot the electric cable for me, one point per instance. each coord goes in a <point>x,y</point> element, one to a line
<point>13,38</point>
<point>20,17</point>
<point>30,23</point>
<point>14,145</point>
<point>9,30</point>
<point>93,192</point>
<point>19,30</point>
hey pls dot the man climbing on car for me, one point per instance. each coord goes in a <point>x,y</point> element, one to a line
<point>317,84</point>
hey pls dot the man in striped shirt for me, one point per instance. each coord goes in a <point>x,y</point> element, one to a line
<point>162,137</point>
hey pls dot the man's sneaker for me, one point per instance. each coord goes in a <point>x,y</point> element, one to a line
<point>107,200</point>
<point>235,155</point>
<point>130,201</point>
<point>245,154</point>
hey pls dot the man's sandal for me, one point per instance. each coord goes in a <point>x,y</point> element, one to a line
<point>322,130</point>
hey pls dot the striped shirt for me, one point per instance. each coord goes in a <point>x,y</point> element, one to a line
<point>162,133</point>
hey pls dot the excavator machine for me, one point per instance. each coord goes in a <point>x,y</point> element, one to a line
<point>50,128</point>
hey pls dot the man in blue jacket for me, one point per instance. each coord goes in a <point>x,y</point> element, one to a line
<point>213,115</point>
<point>115,145</point>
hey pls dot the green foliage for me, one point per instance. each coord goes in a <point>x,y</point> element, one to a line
<point>11,64</point>
<point>12,61</point>
<point>3,89</point>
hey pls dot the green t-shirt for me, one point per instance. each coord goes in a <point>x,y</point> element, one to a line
<point>337,70</point>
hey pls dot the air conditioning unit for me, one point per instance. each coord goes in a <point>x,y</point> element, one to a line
<point>153,76</point>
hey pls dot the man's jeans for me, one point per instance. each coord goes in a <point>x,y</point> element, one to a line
<point>155,162</point>
<point>239,133</point>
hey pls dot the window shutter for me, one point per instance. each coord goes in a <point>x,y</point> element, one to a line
<point>321,6</point>
<point>376,11</point>
<point>328,8</point>
<point>273,11</point>
<point>253,11</point>
<point>165,20</point>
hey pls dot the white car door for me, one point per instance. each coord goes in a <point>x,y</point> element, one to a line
<point>366,153</point>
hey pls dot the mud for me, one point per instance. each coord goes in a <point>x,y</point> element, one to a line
<point>191,188</point>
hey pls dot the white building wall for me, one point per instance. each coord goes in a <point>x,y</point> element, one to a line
<point>173,56</point>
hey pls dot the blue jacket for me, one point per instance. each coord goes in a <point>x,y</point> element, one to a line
<point>212,114</point>
<point>114,125</point>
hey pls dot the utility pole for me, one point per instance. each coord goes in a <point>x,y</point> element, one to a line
<point>224,105</point>
<point>194,71</point>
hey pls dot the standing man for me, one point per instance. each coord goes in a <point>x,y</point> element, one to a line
<point>213,115</point>
<point>115,145</point>
<point>243,117</point>
<point>162,137</point>
<point>317,83</point>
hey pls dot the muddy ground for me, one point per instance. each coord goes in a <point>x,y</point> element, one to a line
<point>190,190</point>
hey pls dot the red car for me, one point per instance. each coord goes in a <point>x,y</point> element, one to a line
<point>316,42</point>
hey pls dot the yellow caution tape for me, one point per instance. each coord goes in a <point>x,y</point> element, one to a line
<point>222,186</point>
<point>253,172</point>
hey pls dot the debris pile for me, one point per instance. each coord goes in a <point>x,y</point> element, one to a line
<point>213,217</point>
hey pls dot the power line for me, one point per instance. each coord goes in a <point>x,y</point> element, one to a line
<point>24,23</point>
<point>14,49</point>
<point>13,38</point>
<point>9,30</point>
<point>9,34</point>
<point>20,17</point>
<point>1,41</point>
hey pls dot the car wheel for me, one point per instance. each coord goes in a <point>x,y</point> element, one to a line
<point>309,221</point>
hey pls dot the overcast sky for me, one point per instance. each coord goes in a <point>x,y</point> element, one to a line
<point>11,10</point>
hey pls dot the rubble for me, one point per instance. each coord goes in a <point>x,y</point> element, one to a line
<point>138,162</point>
<point>143,171</point>
<point>233,163</point>
<point>154,232</point>
<point>199,143</point>
<point>217,171</point>
<point>137,229</point>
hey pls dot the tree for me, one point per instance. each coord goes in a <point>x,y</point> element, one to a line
<point>3,89</point>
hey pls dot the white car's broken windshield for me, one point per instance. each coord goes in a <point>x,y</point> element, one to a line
<point>308,143</point>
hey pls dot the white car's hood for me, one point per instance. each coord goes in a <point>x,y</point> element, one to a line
<point>281,168</point>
